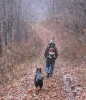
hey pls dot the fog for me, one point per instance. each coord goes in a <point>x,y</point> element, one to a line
<point>36,9</point>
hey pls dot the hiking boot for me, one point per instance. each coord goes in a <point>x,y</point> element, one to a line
<point>47,75</point>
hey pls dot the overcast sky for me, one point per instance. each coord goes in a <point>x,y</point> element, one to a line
<point>38,8</point>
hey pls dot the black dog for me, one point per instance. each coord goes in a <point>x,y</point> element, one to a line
<point>38,78</point>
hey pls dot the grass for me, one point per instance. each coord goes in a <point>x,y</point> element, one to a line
<point>71,67</point>
<point>64,60</point>
<point>43,61</point>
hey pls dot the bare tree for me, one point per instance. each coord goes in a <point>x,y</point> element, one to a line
<point>10,20</point>
<point>4,22</point>
<point>0,44</point>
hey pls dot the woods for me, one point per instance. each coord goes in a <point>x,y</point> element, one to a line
<point>17,18</point>
<point>11,21</point>
<point>13,14</point>
<point>70,15</point>
<point>15,30</point>
<point>26,27</point>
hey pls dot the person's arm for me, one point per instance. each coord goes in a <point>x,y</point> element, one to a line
<point>46,52</point>
<point>56,53</point>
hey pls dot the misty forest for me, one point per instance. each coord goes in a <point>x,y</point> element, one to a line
<point>26,28</point>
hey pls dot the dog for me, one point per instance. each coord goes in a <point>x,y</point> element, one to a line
<point>38,80</point>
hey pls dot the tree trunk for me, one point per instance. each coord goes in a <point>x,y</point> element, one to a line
<point>0,45</point>
<point>4,24</point>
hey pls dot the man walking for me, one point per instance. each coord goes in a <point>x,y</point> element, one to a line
<point>50,54</point>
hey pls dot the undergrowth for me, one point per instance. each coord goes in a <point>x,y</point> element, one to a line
<point>15,55</point>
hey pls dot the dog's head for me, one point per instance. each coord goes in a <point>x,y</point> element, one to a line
<point>38,70</point>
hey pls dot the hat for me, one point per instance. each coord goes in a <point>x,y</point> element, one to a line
<point>52,41</point>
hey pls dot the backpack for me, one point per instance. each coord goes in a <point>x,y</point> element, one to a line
<point>51,50</point>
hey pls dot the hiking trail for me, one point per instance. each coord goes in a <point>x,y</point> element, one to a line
<point>62,86</point>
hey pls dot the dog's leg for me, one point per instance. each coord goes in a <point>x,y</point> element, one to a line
<point>38,89</point>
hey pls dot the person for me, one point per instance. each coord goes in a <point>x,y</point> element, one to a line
<point>51,54</point>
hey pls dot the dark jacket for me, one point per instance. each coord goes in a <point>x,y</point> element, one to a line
<point>46,53</point>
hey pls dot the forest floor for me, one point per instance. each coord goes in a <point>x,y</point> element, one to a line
<point>63,85</point>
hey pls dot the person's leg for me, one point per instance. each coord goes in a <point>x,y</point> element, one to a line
<point>51,69</point>
<point>47,69</point>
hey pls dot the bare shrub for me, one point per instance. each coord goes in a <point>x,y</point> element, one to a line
<point>74,47</point>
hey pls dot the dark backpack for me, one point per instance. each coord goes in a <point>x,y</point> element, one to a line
<point>51,50</point>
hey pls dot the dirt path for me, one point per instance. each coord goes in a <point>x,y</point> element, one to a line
<point>63,86</point>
